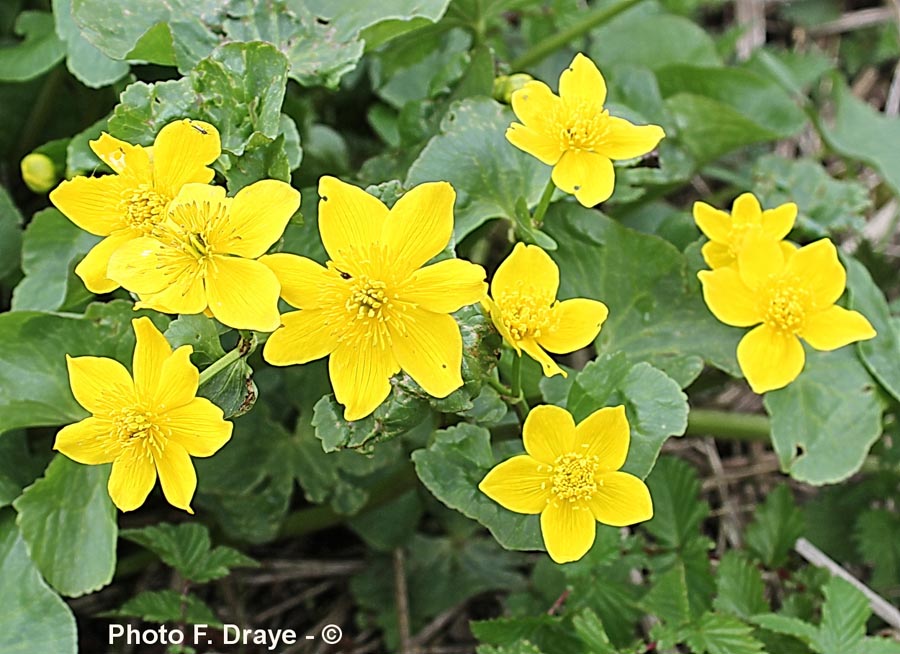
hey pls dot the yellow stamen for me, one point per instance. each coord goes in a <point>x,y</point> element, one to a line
<point>579,126</point>
<point>527,313</point>
<point>574,477</point>
<point>785,304</point>
<point>143,207</point>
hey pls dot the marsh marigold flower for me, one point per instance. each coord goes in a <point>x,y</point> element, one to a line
<point>373,307</point>
<point>727,234</point>
<point>150,424</point>
<point>133,201</point>
<point>204,256</point>
<point>524,309</point>
<point>790,294</point>
<point>570,475</point>
<point>574,133</point>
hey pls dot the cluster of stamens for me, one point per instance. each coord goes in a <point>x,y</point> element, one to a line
<point>135,426</point>
<point>573,477</point>
<point>785,307</point>
<point>579,125</point>
<point>143,207</point>
<point>526,314</point>
<point>368,299</point>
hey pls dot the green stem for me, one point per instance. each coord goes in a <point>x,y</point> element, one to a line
<point>515,387</point>
<point>550,45</point>
<point>40,112</point>
<point>727,425</point>
<point>537,218</point>
<point>244,347</point>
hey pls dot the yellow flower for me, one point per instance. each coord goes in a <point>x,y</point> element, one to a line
<point>793,294</point>
<point>153,423</point>
<point>204,256</point>
<point>526,313</point>
<point>570,475</point>
<point>574,133</point>
<point>132,202</point>
<point>373,308</point>
<point>727,234</point>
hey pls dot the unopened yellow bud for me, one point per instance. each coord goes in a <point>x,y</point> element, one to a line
<point>39,172</point>
<point>506,85</point>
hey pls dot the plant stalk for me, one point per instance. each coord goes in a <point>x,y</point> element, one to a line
<point>727,425</point>
<point>537,218</point>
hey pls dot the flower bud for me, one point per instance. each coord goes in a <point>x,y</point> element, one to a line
<point>39,172</point>
<point>506,85</point>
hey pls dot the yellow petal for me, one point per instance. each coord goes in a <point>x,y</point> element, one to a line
<point>199,427</point>
<point>497,318</point>
<point>536,352</point>
<point>92,203</point>
<point>446,286</point>
<point>728,297</point>
<point>181,152</point>
<point>259,214</point>
<point>122,156</point>
<point>361,377</point>
<point>717,255</point>
<point>534,105</point>
<point>144,265</point>
<point>604,434</point>
<point>746,210</point>
<point>304,336</point>
<point>428,346</point>
<point>90,441</point>
<point>577,323</point>
<point>568,529</point>
<point>537,144</point>
<point>714,223</point>
<point>621,500</point>
<point>624,140</point>
<point>99,384</point>
<point>178,381</point>
<point>150,353</point>
<point>132,478</point>
<point>587,175</point>
<point>243,294</point>
<point>778,222</point>
<point>582,81</point>
<point>520,484</point>
<point>836,327</point>
<point>548,433</point>
<point>527,270</point>
<point>759,259</point>
<point>419,226</point>
<point>198,194</point>
<point>303,281</point>
<point>820,272</point>
<point>93,268</point>
<point>176,475</point>
<point>769,358</point>
<point>350,220</point>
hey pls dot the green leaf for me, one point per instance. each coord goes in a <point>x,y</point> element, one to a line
<point>453,465</point>
<point>776,526</point>
<point>10,235</point>
<point>880,354</point>
<point>722,634</point>
<point>754,97</point>
<point>187,548</point>
<point>90,66</point>
<point>656,313</point>
<point>166,606</point>
<point>739,586</point>
<point>34,382</point>
<point>826,205</point>
<point>522,647</point>
<point>39,51</point>
<point>787,625</point>
<point>877,535</point>
<point>633,38</point>
<point>833,396</point>
<point>19,467</point>
<point>488,173</point>
<point>387,19</point>
<point>546,632</point>
<point>51,247</point>
<point>844,617</point>
<point>232,389</point>
<point>677,510</point>
<point>654,404</point>
<point>34,618</point>
<point>860,132</point>
<point>590,630</point>
<point>69,523</point>
<point>199,331</point>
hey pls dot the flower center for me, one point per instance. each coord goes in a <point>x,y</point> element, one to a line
<point>193,226</point>
<point>573,477</point>
<point>527,314</point>
<point>368,299</point>
<point>579,126</point>
<point>134,424</point>
<point>785,305</point>
<point>143,207</point>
